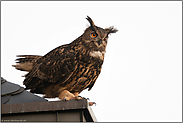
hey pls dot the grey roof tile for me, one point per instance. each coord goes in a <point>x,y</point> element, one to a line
<point>12,93</point>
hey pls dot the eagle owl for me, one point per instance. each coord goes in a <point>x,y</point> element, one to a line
<point>68,69</point>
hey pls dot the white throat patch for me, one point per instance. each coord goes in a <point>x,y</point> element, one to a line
<point>96,54</point>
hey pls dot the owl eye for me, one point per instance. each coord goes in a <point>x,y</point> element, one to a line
<point>105,39</point>
<point>94,35</point>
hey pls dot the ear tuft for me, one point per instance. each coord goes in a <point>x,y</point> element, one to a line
<point>111,30</point>
<point>90,21</point>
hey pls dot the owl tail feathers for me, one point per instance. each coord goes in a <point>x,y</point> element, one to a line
<point>26,62</point>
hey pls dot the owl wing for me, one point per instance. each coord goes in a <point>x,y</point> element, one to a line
<point>93,81</point>
<point>56,66</point>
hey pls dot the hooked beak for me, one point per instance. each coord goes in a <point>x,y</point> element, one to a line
<point>99,42</point>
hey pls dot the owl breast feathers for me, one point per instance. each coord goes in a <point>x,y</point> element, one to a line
<point>67,70</point>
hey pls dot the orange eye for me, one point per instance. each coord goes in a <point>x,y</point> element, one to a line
<point>93,35</point>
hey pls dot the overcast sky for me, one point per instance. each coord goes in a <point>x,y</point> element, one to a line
<point>141,78</point>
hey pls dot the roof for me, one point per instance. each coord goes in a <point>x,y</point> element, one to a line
<point>12,93</point>
<point>20,105</point>
<point>72,110</point>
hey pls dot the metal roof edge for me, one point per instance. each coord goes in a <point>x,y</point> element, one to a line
<point>92,114</point>
<point>44,106</point>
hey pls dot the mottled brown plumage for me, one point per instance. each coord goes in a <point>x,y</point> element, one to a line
<point>68,69</point>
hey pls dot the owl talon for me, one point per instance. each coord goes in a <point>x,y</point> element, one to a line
<point>84,98</point>
<point>78,98</point>
<point>65,99</point>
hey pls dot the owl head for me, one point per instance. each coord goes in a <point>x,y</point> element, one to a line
<point>95,38</point>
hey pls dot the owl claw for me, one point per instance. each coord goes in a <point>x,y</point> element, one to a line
<point>84,98</point>
<point>65,99</point>
<point>78,98</point>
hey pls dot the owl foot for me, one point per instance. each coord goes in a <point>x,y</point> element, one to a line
<point>78,98</point>
<point>66,95</point>
<point>76,94</point>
